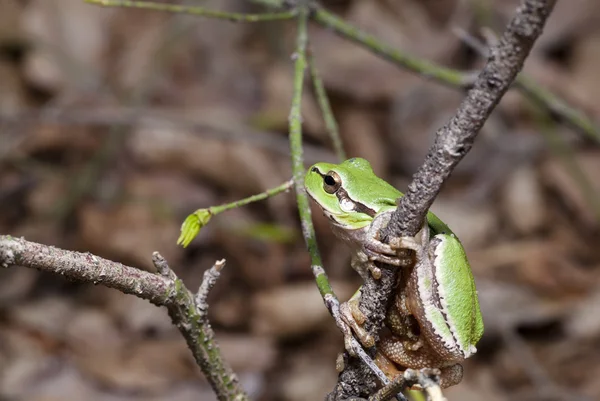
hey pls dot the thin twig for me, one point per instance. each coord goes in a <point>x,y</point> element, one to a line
<point>208,282</point>
<point>197,11</point>
<point>295,126</point>
<point>162,289</point>
<point>200,218</point>
<point>328,117</point>
<point>447,76</point>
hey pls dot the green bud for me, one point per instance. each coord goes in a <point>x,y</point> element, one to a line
<point>192,225</point>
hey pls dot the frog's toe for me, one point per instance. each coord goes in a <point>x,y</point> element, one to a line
<point>346,330</point>
<point>375,256</point>
<point>451,375</point>
<point>353,317</point>
<point>352,312</point>
<point>375,271</point>
<point>406,243</point>
<point>377,247</point>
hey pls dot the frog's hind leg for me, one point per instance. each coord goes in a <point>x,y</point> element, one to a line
<point>399,353</point>
<point>355,319</point>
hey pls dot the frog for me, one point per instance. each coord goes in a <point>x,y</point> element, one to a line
<point>435,319</point>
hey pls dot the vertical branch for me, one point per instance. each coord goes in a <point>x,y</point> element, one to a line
<point>295,123</point>
<point>328,117</point>
<point>308,231</point>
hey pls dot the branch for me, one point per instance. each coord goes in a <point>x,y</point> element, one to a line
<point>197,11</point>
<point>162,289</point>
<point>455,139</point>
<point>452,143</point>
<point>540,96</point>
<point>558,108</point>
<point>295,127</point>
<point>574,118</point>
<point>444,75</point>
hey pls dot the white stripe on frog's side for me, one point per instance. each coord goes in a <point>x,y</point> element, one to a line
<point>443,298</point>
<point>428,288</point>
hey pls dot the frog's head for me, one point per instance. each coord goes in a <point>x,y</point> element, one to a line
<point>350,193</point>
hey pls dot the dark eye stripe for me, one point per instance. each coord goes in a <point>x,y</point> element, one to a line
<point>358,207</point>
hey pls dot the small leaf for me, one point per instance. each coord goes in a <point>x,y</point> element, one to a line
<point>192,225</point>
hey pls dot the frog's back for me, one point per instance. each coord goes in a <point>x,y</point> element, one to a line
<point>368,185</point>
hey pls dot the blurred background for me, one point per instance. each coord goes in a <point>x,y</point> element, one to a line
<point>116,123</point>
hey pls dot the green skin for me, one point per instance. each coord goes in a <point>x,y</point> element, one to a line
<point>435,320</point>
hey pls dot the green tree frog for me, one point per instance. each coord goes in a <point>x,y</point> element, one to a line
<point>435,320</point>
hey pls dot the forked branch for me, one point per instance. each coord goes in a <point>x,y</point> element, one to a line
<point>188,311</point>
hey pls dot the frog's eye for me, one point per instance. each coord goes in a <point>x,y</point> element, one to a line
<point>331,182</point>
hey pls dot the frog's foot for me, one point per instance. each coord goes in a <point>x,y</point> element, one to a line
<point>395,252</point>
<point>416,243</point>
<point>406,243</point>
<point>377,251</point>
<point>354,318</point>
<point>346,332</point>
<point>388,367</point>
<point>365,267</point>
<point>451,375</point>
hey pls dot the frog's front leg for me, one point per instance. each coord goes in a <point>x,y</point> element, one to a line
<point>377,251</point>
